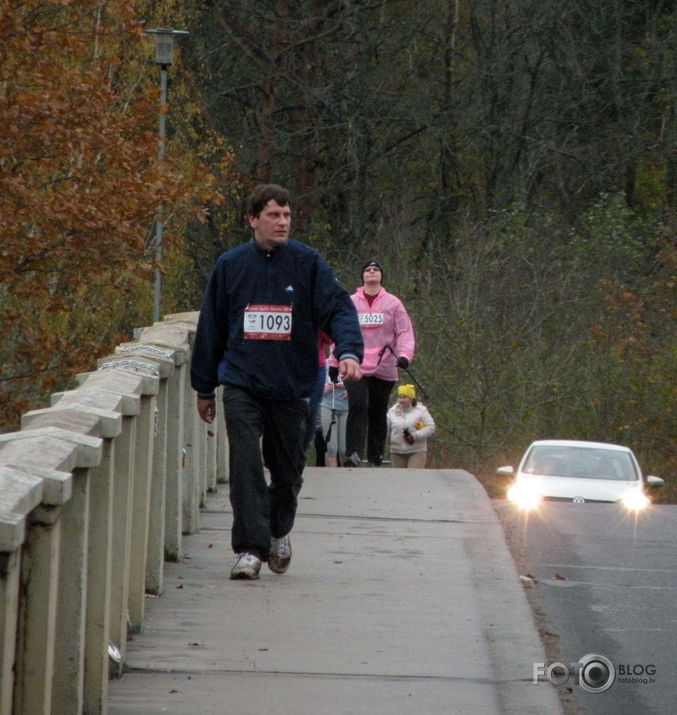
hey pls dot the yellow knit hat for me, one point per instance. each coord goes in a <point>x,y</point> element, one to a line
<point>407,391</point>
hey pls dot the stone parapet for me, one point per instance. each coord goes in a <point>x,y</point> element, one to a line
<point>96,491</point>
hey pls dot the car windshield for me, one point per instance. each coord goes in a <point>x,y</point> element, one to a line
<point>580,462</point>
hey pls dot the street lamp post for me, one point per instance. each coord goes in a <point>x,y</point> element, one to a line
<point>164,56</point>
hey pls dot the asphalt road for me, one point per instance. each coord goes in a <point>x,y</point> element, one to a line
<point>603,583</point>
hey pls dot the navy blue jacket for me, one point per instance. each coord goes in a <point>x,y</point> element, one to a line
<point>292,275</point>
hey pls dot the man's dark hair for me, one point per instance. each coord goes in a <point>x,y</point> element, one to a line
<point>262,194</point>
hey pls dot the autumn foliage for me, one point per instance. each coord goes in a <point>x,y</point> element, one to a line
<point>79,183</point>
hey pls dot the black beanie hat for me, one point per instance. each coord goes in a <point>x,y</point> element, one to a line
<point>373,262</point>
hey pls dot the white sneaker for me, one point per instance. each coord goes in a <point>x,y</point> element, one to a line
<point>279,556</point>
<point>353,460</point>
<point>247,566</point>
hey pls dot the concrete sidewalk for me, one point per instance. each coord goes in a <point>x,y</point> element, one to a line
<point>402,597</point>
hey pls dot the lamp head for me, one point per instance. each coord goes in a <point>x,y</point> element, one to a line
<point>164,43</point>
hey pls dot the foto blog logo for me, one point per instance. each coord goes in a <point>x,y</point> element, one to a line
<point>593,672</point>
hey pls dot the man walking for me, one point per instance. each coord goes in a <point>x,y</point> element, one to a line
<point>261,312</point>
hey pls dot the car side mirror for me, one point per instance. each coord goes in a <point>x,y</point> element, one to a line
<point>652,481</point>
<point>507,470</point>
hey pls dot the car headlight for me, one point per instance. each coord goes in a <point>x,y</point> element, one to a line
<point>635,500</point>
<point>523,496</point>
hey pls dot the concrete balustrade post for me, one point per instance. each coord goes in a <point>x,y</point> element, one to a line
<point>125,458</point>
<point>19,495</point>
<point>187,489</point>
<point>210,458</point>
<point>99,559</point>
<point>140,527</point>
<point>69,665</point>
<point>10,565</point>
<point>37,614</point>
<point>200,429</point>
<point>222,451</point>
<point>176,456</point>
<point>155,556</point>
<point>192,491</point>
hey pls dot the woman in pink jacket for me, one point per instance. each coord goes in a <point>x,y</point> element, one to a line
<point>389,343</point>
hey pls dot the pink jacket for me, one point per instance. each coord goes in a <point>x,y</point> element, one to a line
<point>386,321</point>
<point>323,341</point>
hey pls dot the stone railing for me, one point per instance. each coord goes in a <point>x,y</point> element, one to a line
<point>96,492</point>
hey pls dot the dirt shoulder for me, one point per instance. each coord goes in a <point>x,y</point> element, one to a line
<point>550,639</point>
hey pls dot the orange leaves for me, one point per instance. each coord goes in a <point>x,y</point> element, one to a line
<point>75,169</point>
<point>80,182</point>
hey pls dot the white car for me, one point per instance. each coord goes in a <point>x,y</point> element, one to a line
<point>579,472</point>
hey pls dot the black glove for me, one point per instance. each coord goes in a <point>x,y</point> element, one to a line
<point>333,373</point>
<point>402,362</point>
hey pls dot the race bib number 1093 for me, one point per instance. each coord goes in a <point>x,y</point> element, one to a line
<point>267,322</point>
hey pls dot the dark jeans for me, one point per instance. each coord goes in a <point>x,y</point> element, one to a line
<point>263,432</point>
<point>367,408</point>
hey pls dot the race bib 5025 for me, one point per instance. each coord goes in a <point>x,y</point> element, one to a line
<point>370,320</point>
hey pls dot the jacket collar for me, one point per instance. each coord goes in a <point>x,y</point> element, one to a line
<point>270,253</point>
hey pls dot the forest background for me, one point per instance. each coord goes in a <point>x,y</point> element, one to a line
<point>512,165</point>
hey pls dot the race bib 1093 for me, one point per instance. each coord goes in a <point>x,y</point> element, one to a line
<point>267,322</point>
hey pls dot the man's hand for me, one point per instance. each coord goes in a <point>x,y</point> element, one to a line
<point>402,362</point>
<point>206,408</point>
<point>350,369</point>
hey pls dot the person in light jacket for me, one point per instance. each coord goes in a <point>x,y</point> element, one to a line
<point>389,344</point>
<point>409,426</point>
<point>334,417</point>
